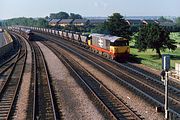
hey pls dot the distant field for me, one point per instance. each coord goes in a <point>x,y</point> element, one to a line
<point>150,58</point>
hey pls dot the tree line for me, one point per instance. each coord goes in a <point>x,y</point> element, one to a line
<point>39,22</point>
<point>64,15</point>
<point>178,22</point>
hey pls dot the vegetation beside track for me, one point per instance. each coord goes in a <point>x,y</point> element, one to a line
<point>151,59</point>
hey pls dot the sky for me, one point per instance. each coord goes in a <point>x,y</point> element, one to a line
<point>88,8</point>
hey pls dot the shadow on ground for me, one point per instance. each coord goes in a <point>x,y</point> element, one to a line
<point>134,59</point>
<point>36,37</point>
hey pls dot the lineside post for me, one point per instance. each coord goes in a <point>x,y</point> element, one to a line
<point>164,74</point>
<point>166,96</point>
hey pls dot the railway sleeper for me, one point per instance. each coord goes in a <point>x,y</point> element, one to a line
<point>4,109</point>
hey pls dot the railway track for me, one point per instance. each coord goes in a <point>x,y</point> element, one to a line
<point>6,68</point>
<point>41,105</point>
<point>135,82</point>
<point>10,88</point>
<point>113,106</point>
<point>7,64</point>
<point>153,79</point>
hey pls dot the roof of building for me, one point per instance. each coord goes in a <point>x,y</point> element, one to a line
<point>167,24</point>
<point>76,21</point>
<point>134,21</point>
<point>150,21</point>
<point>97,21</point>
<point>48,19</point>
<point>66,21</point>
<point>54,20</point>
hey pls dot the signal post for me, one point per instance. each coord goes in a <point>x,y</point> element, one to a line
<point>164,74</point>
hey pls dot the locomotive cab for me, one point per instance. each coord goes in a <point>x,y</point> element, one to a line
<point>120,48</point>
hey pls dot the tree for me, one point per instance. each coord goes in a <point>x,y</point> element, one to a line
<point>155,37</point>
<point>60,15</point>
<point>47,17</point>
<point>40,22</point>
<point>134,28</point>
<point>75,16</point>
<point>101,28</point>
<point>117,26</point>
<point>178,21</point>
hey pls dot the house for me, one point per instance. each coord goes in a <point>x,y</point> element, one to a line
<point>65,22</point>
<point>80,22</point>
<point>96,21</point>
<point>54,22</point>
<point>48,20</point>
<point>170,25</point>
<point>150,22</point>
<point>135,22</point>
<point>167,24</point>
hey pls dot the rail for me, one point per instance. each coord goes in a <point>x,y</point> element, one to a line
<point>124,82</point>
<point>11,86</point>
<point>43,103</point>
<point>113,106</point>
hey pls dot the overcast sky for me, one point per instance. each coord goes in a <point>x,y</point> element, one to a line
<point>42,8</point>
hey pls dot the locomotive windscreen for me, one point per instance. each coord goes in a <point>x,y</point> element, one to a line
<point>120,43</point>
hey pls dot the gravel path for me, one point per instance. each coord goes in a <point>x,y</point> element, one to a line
<point>22,102</point>
<point>75,104</point>
<point>156,72</point>
<point>144,67</point>
<point>145,110</point>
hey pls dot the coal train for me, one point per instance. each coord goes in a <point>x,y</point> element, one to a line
<point>25,32</point>
<point>112,47</point>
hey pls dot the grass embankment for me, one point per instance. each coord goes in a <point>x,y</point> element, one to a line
<point>151,59</point>
<point>7,37</point>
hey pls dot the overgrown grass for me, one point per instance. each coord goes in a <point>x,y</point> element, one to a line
<point>175,36</point>
<point>151,59</point>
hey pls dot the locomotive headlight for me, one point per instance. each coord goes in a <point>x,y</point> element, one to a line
<point>112,49</point>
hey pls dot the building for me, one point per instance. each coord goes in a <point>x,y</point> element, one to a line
<point>54,22</point>
<point>134,22</point>
<point>96,21</point>
<point>48,20</point>
<point>65,22</point>
<point>145,21</point>
<point>80,22</point>
<point>167,24</point>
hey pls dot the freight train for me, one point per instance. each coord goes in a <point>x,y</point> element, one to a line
<point>25,32</point>
<point>112,47</point>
